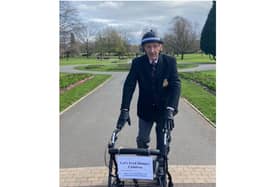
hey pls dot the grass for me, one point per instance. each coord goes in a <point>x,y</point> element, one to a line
<point>195,58</point>
<point>205,78</point>
<point>69,97</point>
<point>107,67</point>
<point>84,60</point>
<point>121,67</point>
<point>66,79</point>
<point>185,65</point>
<point>200,98</point>
<point>188,58</point>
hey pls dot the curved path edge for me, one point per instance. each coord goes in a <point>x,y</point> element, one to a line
<point>92,91</point>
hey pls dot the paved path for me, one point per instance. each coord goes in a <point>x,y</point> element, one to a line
<point>182,176</point>
<point>71,69</point>
<point>86,128</point>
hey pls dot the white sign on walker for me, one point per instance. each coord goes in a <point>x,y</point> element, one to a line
<point>135,167</point>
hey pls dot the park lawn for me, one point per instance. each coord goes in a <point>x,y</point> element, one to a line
<point>121,67</point>
<point>205,78</point>
<point>185,65</point>
<point>84,60</point>
<point>188,58</point>
<point>195,58</point>
<point>66,79</point>
<point>107,67</point>
<point>200,98</point>
<point>69,97</point>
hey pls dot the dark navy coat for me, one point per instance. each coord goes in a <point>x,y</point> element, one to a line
<point>166,86</point>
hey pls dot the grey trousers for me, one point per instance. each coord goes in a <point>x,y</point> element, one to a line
<point>144,131</point>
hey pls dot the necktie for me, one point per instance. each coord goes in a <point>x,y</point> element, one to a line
<point>153,69</point>
<point>154,82</point>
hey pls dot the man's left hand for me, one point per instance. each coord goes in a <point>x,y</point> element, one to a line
<point>169,119</point>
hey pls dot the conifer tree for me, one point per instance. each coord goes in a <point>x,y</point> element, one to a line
<point>208,35</point>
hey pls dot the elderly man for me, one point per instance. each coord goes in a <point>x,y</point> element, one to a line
<point>159,91</point>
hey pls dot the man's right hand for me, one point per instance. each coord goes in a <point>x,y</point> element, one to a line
<point>123,118</point>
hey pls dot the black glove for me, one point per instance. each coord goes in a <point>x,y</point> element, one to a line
<point>123,118</point>
<point>169,119</point>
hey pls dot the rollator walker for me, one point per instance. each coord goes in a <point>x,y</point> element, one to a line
<point>160,175</point>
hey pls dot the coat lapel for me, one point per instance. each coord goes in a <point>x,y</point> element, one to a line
<point>147,66</point>
<point>160,66</point>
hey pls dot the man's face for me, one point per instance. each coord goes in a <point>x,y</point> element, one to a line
<point>152,50</point>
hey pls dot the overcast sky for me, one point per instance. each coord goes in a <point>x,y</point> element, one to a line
<point>135,16</point>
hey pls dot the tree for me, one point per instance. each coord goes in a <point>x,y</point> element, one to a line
<point>100,44</point>
<point>68,23</point>
<point>87,48</point>
<point>169,44</point>
<point>111,41</point>
<point>125,37</point>
<point>84,35</point>
<point>182,36</point>
<point>208,35</point>
<point>134,50</point>
<point>74,46</point>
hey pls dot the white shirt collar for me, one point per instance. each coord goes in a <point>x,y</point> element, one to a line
<point>152,61</point>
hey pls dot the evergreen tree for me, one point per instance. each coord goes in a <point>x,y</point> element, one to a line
<point>208,35</point>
